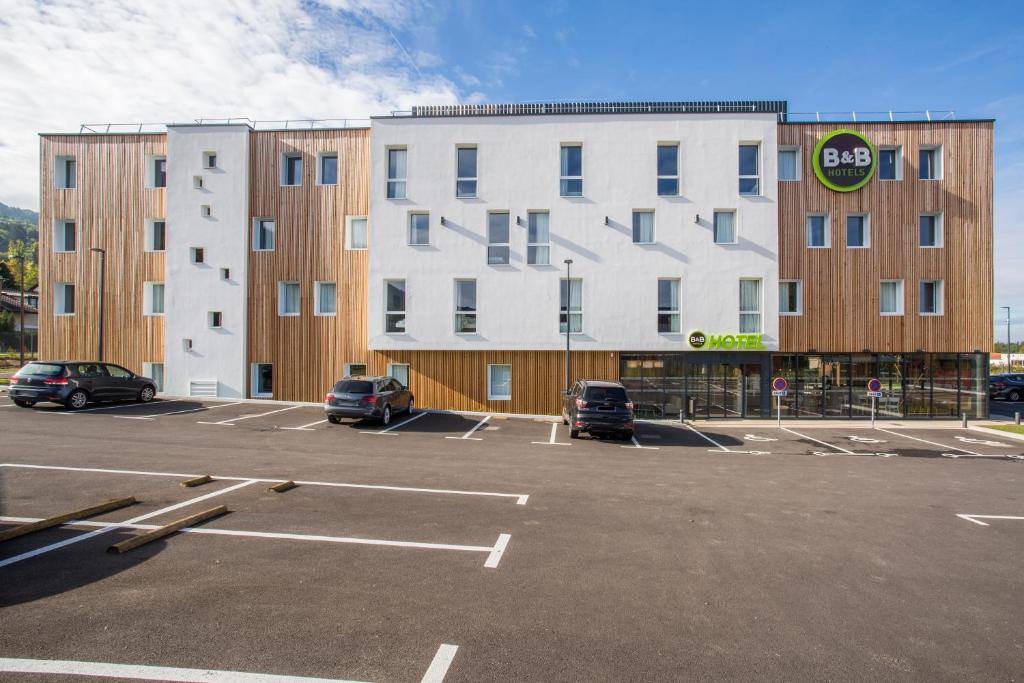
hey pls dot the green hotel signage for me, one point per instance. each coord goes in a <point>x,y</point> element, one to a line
<point>726,342</point>
<point>844,160</point>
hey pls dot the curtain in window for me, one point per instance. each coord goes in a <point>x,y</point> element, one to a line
<point>291,298</point>
<point>787,165</point>
<point>725,227</point>
<point>501,380</point>
<point>750,306</point>
<point>643,226</point>
<point>668,295</point>
<point>889,298</point>
<point>328,297</point>
<point>396,164</point>
<point>158,298</point>
<point>358,238</point>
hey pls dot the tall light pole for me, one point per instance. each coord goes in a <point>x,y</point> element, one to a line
<point>21,324</point>
<point>1007,337</point>
<point>568,321</point>
<point>103,272</point>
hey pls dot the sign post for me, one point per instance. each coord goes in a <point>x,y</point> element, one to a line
<point>779,387</point>
<point>875,392</point>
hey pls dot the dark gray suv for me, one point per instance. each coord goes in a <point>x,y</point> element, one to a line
<point>368,398</point>
<point>598,407</point>
<point>76,383</point>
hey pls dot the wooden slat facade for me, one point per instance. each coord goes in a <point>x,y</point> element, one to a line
<point>110,206</point>
<point>841,289</point>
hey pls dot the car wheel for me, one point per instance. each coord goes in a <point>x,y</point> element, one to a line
<point>147,394</point>
<point>334,419</point>
<point>77,400</point>
<point>23,404</point>
<point>385,418</point>
<point>412,405</point>
<point>1014,396</point>
<point>574,433</point>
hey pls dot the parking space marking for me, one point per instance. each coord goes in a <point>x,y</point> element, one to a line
<point>388,430</point>
<point>952,448</point>
<point>976,518</point>
<point>439,665</point>
<point>636,444</point>
<point>134,520</point>
<point>230,422</point>
<point>140,672</point>
<point>496,552</point>
<point>823,443</point>
<point>305,428</point>
<point>469,435</point>
<point>115,405</point>
<point>728,450</point>
<point>551,441</point>
<point>176,412</point>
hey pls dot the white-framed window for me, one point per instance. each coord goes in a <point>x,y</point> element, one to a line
<point>750,168</point>
<point>538,238</point>
<point>891,297</point>
<point>325,298</point>
<point>156,234</point>
<point>643,227</point>
<point>288,299</point>
<point>819,231</point>
<point>750,305</point>
<point>570,306</point>
<point>156,171</point>
<point>789,163</point>
<point>668,169</point>
<point>930,297</point>
<point>197,182</point>
<point>394,306</point>
<point>355,233</point>
<point>291,169</point>
<point>890,163</point>
<point>197,255</point>
<point>225,273</point>
<point>724,225</point>
<point>400,371</point>
<point>419,229</point>
<point>498,250</point>
<point>64,298</point>
<point>465,307</point>
<point>355,369</point>
<point>858,231</point>
<point>263,234</point>
<point>930,231</point>
<point>791,297</point>
<point>465,171</point>
<point>215,320</point>
<point>64,236</point>
<point>929,163</point>
<point>154,371</point>
<point>668,306</point>
<point>327,168</point>
<point>153,298</point>
<point>205,211</point>
<point>209,160</point>
<point>499,382</point>
<point>65,173</point>
<point>570,182</point>
<point>262,380</point>
<point>397,157</point>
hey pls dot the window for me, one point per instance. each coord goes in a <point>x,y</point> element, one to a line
<point>325,298</point>
<point>571,180</point>
<point>790,297</point>
<point>419,229</point>
<point>394,306</point>
<point>65,173</point>
<point>262,380</point>
<point>750,170</point>
<point>725,227</point>
<point>668,170</point>
<point>890,163</point>
<point>931,297</point>
<point>858,231</point>
<point>209,160</point>
<point>465,172</point>
<point>156,173</point>
<point>197,182</point>
<point>891,299</point>
<point>214,320</point>
<point>497,239</point>
<point>930,230</point>
<point>197,255</point>
<point>225,273</point>
<point>400,371</point>
<point>156,235</point>
<point>818,231</point>
<point>643,227</point>
<point>538,238</point>
<point>155,371</point>
<point>288,299</point>
<point>64,236</point>
<point>205,211</point>
<point>153,298</point>
<point>789,163</point>
<point>355,369</point>
<point>571,306</point>
<point>668,306</point>
<point>499,382</point>
<point>117,371</point>
<point>291,170</point>
<point>64,299</point>
<point>327,169</point>
<point>355,233</point>
<point>750,306</point>
<point>929,163</point>
<point>465,307</point>
<point>263,230</point>
<point>396,173</point>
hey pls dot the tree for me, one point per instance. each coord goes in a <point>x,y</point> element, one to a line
<point>6,277</point>
<point>6,321</point>
<point>17,250</point>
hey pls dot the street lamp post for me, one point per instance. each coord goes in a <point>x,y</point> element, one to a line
<point>21,324</point>
<point>103,269</point>
<point>568,321</point>
<point>1007,337</point>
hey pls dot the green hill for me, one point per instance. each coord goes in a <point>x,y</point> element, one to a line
<point>22,215</point>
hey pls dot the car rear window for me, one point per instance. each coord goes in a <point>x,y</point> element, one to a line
<point>41,370</point>
<point>352,386</point>
<point>605,394</point>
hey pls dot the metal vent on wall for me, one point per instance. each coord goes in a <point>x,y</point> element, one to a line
<point>202,388</point>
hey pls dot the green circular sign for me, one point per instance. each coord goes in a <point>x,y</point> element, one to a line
<point>844,160</point>
<point>698,340</point>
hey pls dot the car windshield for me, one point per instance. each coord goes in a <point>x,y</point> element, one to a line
<point>605,394</point>
<point>353,386</point>
<point>41,370</point>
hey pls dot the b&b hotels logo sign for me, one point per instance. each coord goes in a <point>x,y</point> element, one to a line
<point>726,342</point>
<point>844,160</point>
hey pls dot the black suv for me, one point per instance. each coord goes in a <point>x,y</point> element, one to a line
<point>1008,386</point>
<point>374,398</point>
<point>598,407</point>
<point>76,383</point>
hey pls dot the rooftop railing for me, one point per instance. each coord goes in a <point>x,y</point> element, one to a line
<point>868,116</point>
<point>261,124</point>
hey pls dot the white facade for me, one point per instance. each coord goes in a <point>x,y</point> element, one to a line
<point>518,169</point>
<point>199,359</point>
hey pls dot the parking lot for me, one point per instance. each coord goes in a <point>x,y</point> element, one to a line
<point>483,548</point>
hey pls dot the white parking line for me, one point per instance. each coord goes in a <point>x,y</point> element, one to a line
<point>823,443</point>
<point>230,422</point>
<point>497,551</point>
<point>976,518</point>
<point>469,435</point>
<point>636,444</point>
<point>551,441</point>
<point>439,666</point>
<point>951,448</point>
<point>394,426</point>
<point>114,406</point>
<point>305,428</point>
<point>177,412</point>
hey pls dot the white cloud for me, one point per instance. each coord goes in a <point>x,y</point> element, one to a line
<point>92,61</point>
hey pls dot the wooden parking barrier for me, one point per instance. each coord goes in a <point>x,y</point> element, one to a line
<point>31,527</point>
<point>198,481</point>
<point>283,486</point>
<point>142,539</point>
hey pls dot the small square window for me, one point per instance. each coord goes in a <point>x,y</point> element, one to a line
<point>930,163</point>
<point>214,319</point>
<point>419,229</point>
<point>197,255</point>
<point>288,302</point>
<point>156,171</point>
<point>790,297</point>
<point>327,169</point>
<point>355,369</point>
<point>858,231</point>
<point>263,233</point>
<point>400,372</point>
<point>499,382</point>
<point>153,298</point>
<point>156,235</point>
<point>204,211</point>
<point>64,237</point>
<point>891,297</point>
<point>643,227</point>
<point>930,231</point>
<point>291,170</point>
<point>789,163</point>
<point>209,160</point>
<point>818,231</point>
<point>65,173</point>
<point>355,233</point>
<point>325,297</point>
<point>197,182</point>
<point>725,227</point>
<point>225,273</point>
<point>64,298</point>
<point>262,380</point>
<point>930,300</point>
<point>890,163</point>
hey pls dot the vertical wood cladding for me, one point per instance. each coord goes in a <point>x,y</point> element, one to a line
<point>110,206</point>
<point>841,286</point>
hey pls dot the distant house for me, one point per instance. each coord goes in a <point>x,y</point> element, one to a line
<point>10,302</point>
<point>998,360</point>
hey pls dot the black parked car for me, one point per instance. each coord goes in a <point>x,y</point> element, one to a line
<point>373,398</point>
<point>76,383</point>
<point>1008,386</point>
<point>598,407</point>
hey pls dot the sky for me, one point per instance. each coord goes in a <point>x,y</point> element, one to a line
<point>96,61</point>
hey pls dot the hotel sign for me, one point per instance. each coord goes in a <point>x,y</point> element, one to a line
<point>726,342</point>
<point>844,160</point>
